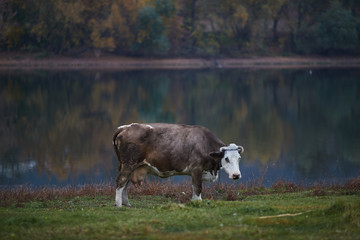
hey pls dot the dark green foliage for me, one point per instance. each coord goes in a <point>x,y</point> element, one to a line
<point>336,30</point>
<point>151,30</point>
<point>164,7</point>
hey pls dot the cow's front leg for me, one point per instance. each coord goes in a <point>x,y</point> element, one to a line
<point>196,184</point>
<point>121,185</point>
<point>125,199</point>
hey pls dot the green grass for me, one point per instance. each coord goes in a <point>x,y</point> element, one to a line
<point>159,217</point>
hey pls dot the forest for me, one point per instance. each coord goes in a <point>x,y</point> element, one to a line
<point>180,28</point>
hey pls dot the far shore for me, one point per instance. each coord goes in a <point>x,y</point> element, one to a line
<point>28,61</point>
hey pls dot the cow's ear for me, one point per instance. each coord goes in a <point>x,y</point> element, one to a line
<point>240,149</point>
<point>217,155</point>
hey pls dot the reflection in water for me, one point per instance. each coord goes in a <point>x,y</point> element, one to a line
<point>56,127</point>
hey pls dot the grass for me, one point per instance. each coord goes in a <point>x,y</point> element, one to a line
<point>163,211</point>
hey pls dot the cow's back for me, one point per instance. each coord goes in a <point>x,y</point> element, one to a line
<point>183,138</point>
<point>176,146</point>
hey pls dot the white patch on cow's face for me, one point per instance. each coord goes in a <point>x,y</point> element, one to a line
<point>230,161</point>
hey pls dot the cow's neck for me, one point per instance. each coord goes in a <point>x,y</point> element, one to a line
<point>212,166</point>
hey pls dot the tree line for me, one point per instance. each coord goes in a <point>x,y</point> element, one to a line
<point>181,27</point>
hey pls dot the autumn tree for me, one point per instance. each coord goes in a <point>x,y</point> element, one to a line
<point>115,31</point>
<point>151,26</point>
<point>207,28</point>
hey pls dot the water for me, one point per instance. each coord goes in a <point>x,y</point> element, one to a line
<point>56,126</point>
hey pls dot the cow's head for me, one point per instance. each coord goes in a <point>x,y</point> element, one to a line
<point>230,158</point>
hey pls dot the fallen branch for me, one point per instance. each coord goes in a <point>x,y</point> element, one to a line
<point>282,215</point>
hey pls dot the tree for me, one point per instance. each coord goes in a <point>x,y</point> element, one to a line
<point>336,30</point>
<point>114,31</point>
<point>151,29</point>
<point>6,18</point>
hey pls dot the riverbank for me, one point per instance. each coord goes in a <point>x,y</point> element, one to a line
<point>36,61</point>
<point>284,211</point>
<point>181,193</point>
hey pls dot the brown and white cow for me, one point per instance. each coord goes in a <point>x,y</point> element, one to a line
<point>171,149</point>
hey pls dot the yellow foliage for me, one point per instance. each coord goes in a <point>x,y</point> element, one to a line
<point>142,34</point>
<point>114,31</point>
<point>131,7</point>
<point>241,15</point>
<point>69,12</point>
<point>15,35</point>
<point>39,30</point>
<point>272,7</point>
<point>175,30</point>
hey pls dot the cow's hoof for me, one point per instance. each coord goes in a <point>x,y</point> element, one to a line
<point>127,205</point>
<point>116,205</point>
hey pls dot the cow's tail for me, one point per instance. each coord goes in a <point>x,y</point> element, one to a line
<point>116,133</point>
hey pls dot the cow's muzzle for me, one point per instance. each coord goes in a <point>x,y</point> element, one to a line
<point>236,176</point>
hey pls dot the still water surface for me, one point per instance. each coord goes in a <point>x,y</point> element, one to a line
<point>56,126</point>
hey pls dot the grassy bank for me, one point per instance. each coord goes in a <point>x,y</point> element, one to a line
<point>163,211</point>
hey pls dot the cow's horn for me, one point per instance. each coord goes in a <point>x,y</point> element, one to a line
<point>241,148</point>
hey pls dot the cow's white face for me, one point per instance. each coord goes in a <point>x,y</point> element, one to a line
<point>231,159</point>
<point>230,163</point>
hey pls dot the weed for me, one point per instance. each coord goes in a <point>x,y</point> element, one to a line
<point>179,193</point>
<point>284,186</point>
<point>352,213</point>
<point>352,186</point>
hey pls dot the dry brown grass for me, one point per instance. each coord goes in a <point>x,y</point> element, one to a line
<point>178,192</point>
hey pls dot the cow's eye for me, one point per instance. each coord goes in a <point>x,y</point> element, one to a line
<point>227,160</point>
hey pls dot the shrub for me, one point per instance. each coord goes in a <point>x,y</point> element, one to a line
<point>336,30</point>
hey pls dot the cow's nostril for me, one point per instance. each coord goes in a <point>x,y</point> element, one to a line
<point>236,176</point>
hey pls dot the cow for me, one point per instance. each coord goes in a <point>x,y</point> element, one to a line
<point>165,150</point>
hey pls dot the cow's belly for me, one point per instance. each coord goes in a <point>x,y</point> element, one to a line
<point>138,175</point>
<point>155,171</point>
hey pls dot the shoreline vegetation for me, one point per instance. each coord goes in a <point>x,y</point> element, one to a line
<point>35,61</point>
<point>180,193</point>
<point>164,211</point>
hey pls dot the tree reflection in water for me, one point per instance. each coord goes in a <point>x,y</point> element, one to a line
<point>56,126</point>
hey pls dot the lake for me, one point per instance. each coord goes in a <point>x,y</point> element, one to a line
<point>297,125</point>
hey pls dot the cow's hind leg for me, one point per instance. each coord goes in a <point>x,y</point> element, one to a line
<point>121,184</point>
